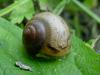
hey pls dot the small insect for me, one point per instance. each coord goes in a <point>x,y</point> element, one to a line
<point>23,66</point>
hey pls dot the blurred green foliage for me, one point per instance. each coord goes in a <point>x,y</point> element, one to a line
<point>83,18</point>
<point>82,15</point>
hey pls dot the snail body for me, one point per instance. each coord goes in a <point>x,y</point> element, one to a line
<point>48,34</point>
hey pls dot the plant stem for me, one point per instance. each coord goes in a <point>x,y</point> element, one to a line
<point>59,8</point>
<point>87,10</point>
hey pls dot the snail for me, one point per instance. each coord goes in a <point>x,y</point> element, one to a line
<point>47,34</point>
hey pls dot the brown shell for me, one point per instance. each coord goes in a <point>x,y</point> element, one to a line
<point>47,33</point>
<point>34,36</point>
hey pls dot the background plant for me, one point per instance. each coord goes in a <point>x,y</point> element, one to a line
<point>83,17</point>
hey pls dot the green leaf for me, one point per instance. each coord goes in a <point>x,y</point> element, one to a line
<point>25,10</point>
<point>60,7</point>
<point>91,3</point>
<point>56,6</point>
<point>2,1</point>
<point>81,60</point>
<point>48,4</point>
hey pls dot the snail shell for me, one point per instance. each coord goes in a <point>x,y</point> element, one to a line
<point>48,34</point>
